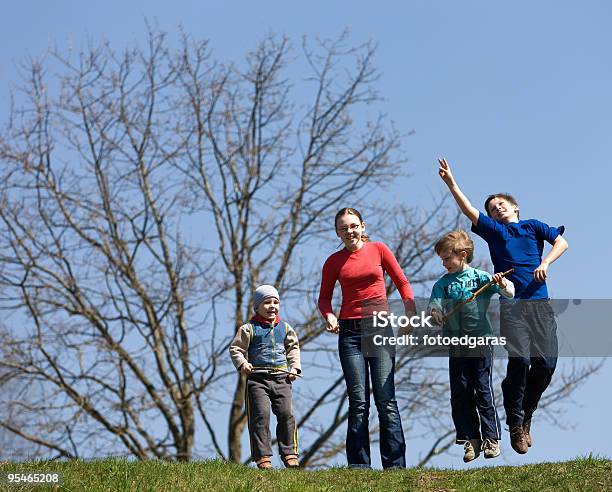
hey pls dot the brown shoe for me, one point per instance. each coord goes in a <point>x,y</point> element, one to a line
<point>290,461</point>
<point>527,431</point>
<point>518,441</point>
<point>264,463</point>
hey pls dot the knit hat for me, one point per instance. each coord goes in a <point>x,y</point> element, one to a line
<point>262,293</point>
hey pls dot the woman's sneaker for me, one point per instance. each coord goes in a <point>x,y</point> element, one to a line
<point>491,448</point>
<point>471,450</point>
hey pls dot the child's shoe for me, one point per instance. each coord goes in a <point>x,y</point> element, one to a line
<point>290,461</point>
<point>527,432</point>
<point>491,448</point>
<point>471,450</point>
<point>264,463</point>
<point>518,440</point>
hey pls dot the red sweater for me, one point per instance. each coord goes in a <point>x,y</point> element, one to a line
<point>361,277</point>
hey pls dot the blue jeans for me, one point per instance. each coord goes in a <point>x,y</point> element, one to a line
<point>358,371</point>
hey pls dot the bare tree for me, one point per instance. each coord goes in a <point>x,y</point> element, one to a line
<point>144,195</point>
<point>11,446</point>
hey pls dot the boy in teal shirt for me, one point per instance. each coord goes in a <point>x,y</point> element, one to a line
<point>472,398</point>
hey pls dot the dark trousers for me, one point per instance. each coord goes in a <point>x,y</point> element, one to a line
<point>263,391</point>
<point>472,398</point>
<point>531,341</point>
<point>360,370</point>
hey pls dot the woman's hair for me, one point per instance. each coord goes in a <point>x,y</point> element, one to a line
<point>456,241</point>
<point>505,196</point>
<point>351,211</point>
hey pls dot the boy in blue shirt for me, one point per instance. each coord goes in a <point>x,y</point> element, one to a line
<point>528,324</point>
<point>472,398</point>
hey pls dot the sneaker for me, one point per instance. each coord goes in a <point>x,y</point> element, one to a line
<point>517,440</point>
<point>527,431</point>
<point>471,450</point>
<point>491,448</point>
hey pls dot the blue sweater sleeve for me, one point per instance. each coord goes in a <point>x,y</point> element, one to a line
<point>486,227</point>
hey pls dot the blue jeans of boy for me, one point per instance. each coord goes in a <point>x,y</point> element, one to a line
<point>361,370</point>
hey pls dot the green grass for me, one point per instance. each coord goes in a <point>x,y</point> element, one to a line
<point>582,474</point>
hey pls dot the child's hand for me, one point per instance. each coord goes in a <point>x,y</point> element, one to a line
<point>293,375</point>
<point>246,368</point>
<point>332,323</point>
<point>499,279</point>
<point>445,172</point>
<point>437,317</point>
<point>541,273</point>
<point>409,307</point>
<point>405,330</point>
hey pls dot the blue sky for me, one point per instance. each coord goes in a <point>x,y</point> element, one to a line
<point>516,95</point>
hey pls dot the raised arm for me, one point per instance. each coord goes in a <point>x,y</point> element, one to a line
<point>466,207</point>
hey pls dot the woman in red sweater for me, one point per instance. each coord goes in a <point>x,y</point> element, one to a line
<point>360,268</point>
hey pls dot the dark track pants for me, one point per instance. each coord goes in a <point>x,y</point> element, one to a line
<point>472,398</point>
<point>263,391</point>
<point>531,333</point>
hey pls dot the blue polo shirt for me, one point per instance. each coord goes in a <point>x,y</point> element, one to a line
<point>518,245</point>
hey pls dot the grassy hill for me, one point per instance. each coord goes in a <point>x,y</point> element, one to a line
<point>579,475</point>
